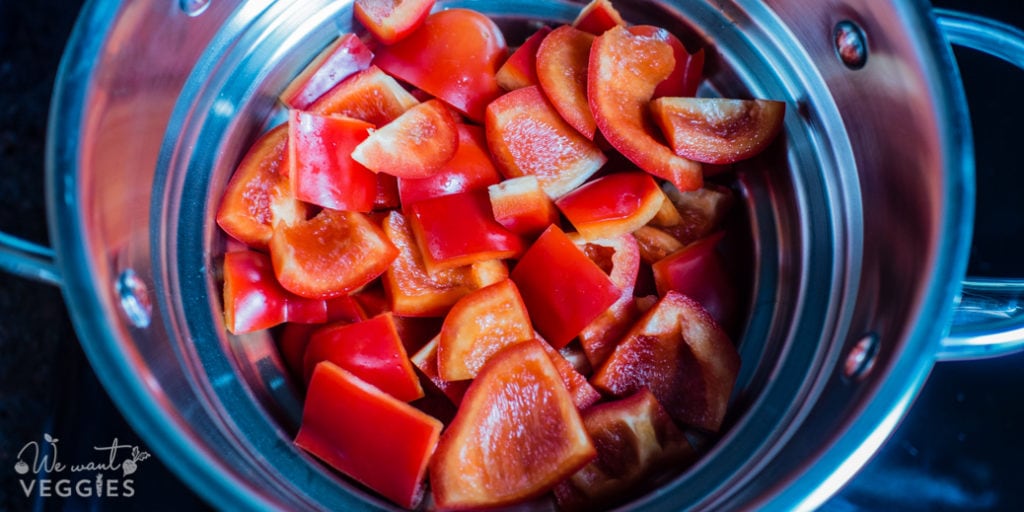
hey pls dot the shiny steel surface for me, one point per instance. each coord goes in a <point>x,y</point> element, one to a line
<point>860,227</point>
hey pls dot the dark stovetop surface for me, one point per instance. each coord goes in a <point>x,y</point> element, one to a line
<point>958,449</point>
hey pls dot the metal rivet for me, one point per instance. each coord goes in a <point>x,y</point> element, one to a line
<point>134,296</point>
<point>861,358</point>
<point>851,44</point>
<point>193,7</point>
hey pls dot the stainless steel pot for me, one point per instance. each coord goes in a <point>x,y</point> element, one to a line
<point>861,231</point>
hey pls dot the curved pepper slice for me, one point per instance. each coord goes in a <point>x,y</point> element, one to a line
<point>478,326</point>
<point>368,434</point>
<point>331,254</point>
<point>718,130</point>
<point>626,66</point>
<point>259,194</point>
<point>563,290</point>
<point>516,434</point>
<point>562,61</point>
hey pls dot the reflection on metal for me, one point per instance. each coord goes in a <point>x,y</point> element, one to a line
<point>135,300</point>
<point>851,44</point>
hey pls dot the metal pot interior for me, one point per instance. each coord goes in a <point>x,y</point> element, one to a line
<point>809,244</point>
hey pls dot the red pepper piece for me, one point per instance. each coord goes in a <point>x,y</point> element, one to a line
<point>344,57</point>
<point>322,169</point>
<point>527,136</point>
<point>679,352</point>
<point>520,69</point>
<point>371,350</point>
<point>563,290</point>
<point>415,292</point>
<point>521,205</point>
<point>453,56</point>
<point>330,255</point>
<point>470,168</point>
<point>562,61</point>
<point>597,17</point>
<point>626,66</point>
<point>391,21</point>
<point>612,205</point>
<point>416,144</point>
<point>254,300</point>
<point>516,434</point>
<point>259,194</point>
<point>459,229</point>
<point>370,95</point>
<point>620,258</point>
<point>367,434</point>
<point>478,326</point>
<point>635,438</point>
<point>698,272</point>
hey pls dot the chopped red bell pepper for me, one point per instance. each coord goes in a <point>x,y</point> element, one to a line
<point>254,300</point>
<point>391,21</point>
<point>367,434</point>
<point>372,350</point>
<point>415,144</point>
<point>521,205</point>
<point>698,271</point>
<point>478,326</point>
<point>520,68</point>
<point>563,290</point>
<point>344,57</point>
<point>620,258</point>
<point>562,61</point>
<point>331,254</point>
<point>426,360</point>
<point>413,291</point>
<point>470,168</point>
<point>370,95</point>
<point>612,205</point>
<point>459,229</point>
<point>583,394</point>
<point>635,438</point>
<point>680,353</point>
<point>516,434</point>
<point>597,17</point>
<point>259,194</point>
<point>527,136</point>
<point>453,56</point>
<point>320,158</point>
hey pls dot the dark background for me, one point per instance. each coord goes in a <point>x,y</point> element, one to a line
<point>960,447</point>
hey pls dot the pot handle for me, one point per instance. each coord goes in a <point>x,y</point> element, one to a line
<point>27,259</point>
<point>989,316</point>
